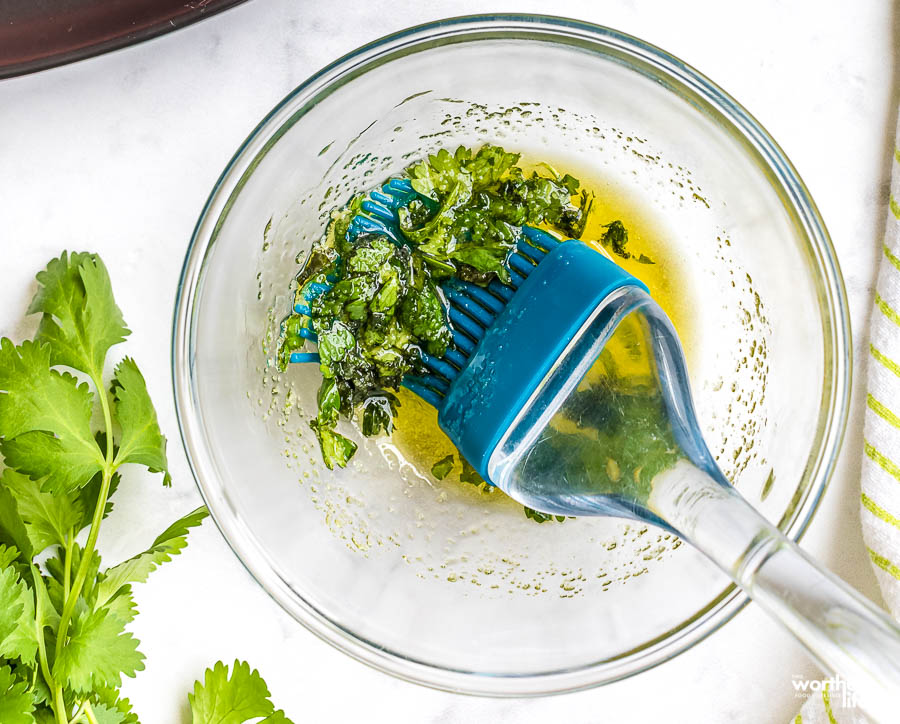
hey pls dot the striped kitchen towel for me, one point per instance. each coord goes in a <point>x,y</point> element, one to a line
<point>880,497</point>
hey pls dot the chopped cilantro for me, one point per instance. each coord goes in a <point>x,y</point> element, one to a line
<point>623,441</point>
<point>442,467</point>
<point>376,305</point>
<point>539,517</point>
<point>470,475</point>
<point>479,204</point>
<point>615,239</point>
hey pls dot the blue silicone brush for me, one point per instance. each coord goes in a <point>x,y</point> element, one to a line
<point>493,324</point>
<point>505,385</point>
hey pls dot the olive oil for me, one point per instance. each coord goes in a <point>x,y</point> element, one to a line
<point>417,434</point>
<point>665,278</point>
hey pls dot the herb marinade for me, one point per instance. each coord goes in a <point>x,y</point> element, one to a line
<point>383,303</point>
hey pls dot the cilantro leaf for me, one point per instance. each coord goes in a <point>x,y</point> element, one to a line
<point>277,717</point>
<point>329,402</point>
<point>241,698</point>
<point>138,568</point>
<point>141,440</point>
<point>97,653</point>
<point>89,494</point>
<point>470,475</point>
<point>615,238</point>
<point>378,413</point>
<point>12,528</point>
<point>108,715</point>
<point>490,165</point>
<point>58,476</point>
<point>43,715</point>
<point>17,635</point>
<point>8,555</point>
<point>536,515</point>
<point>423,314</point>
<point>46,614</point>
<point>484,199</point>
<point>80,318</point>
<point>40,693</point>
<point>335,447</point>
<point>48,518</point>
<point>422,179</point>
<point>45,419</point>
<point>121,605</point>
<point>16,705</point>
<point>484,259</point>
<point>55,566</point>
<point>442,467</point>
<point>335,343</point>
<point>109,708</point>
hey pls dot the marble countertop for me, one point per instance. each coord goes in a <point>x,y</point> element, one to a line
<point>117,154</point>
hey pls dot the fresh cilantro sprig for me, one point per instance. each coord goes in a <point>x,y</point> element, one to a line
<point>242,697</point>
<point>64,645</point>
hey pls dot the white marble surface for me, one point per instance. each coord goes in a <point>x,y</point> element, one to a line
<point>117,154</point>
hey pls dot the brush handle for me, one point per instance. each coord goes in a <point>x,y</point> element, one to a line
<point>847,635</point>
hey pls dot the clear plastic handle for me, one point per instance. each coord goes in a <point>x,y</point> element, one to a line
<point>845,633</point>
<point>612,431</point>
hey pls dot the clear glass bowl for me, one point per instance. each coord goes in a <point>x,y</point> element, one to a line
<point>432,581</point>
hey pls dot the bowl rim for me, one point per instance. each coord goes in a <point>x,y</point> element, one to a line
<point>833,306</point>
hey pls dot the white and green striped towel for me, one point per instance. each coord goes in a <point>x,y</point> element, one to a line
<point>880,498</point>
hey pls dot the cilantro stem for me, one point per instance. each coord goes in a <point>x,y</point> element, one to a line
<point>88,552</point>
<point>40,593</point>
<point>38,625</point>
<point>85,563</point>
<point>59,705</point>
<point>107,418</point>
<point>58,700</point>
<point>42,652</point>
<point>79,715</point>
<point>89,713</point>
<point>67,572</point>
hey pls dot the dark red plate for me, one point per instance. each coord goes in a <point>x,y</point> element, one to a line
<point>39,34</point>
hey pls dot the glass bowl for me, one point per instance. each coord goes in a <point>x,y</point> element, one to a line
<point>434,581</point>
